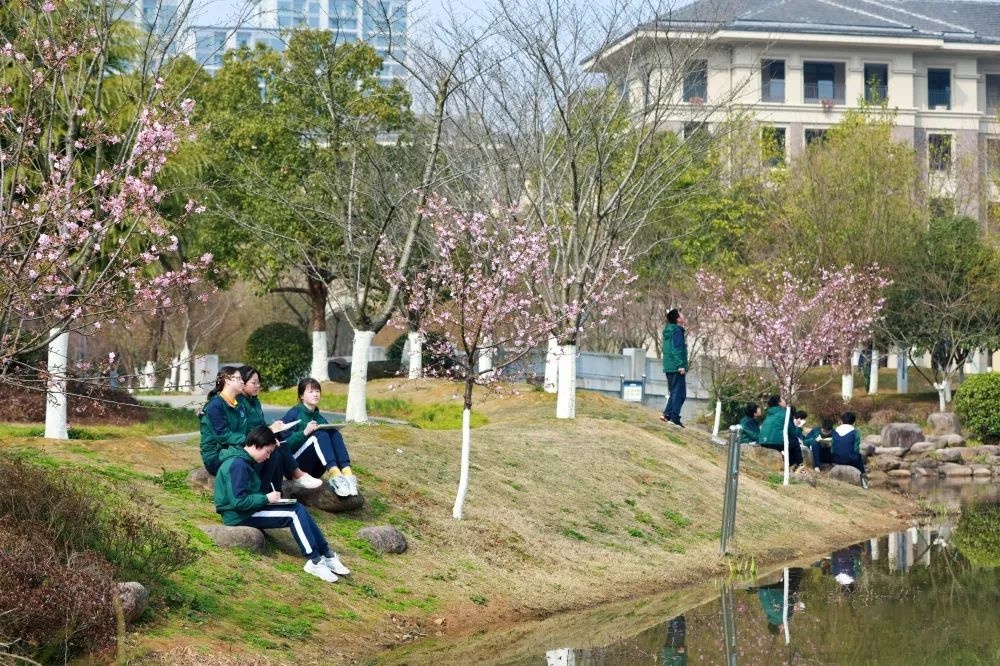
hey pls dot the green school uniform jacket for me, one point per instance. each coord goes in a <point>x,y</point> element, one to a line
<point>675,349</point>
<point>222,426</point>
<point>303,415</point>
<point>772,426</point>
<point>237,487</point>
<point>255,413</point>
<point>750,430</point>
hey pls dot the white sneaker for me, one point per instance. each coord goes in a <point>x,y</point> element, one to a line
<point>340,485</point>
<point>352,483</point>
<point>308,481</point>
<point>335,565</point>
<point>319,570</point>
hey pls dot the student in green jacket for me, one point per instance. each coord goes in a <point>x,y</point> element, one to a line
<point>319,452</point>
<point>224,419</point>
<point>242,501</point>
<point>675,363</point>
<point>772,431</point>
<point>749,428</point>
<point>281,465</point>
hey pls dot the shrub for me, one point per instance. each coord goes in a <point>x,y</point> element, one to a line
<point>977,403</point>
<point>281,352</point>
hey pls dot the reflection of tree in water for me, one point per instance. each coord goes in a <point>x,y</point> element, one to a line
<point>977,536</point>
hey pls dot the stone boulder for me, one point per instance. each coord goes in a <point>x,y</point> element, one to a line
<point>384,539</point>
<point>134,598</point>
<point>199,480</point>
<point>925,471</point>
<point>903,435</point>
<point>885,463</point>
<point>769,458</point>
<point>944,423</point>
<point>899,473</point>
<point>952,469</point>
<point>846,473</point>
<point>947,441</point>
<point>324,499</point>
<point>921,447</point>
<point>874,440</point>
<point>281,538</point>
<point>868,449</point>
<point>948,455</point>
<point>224,536</point>
<point>981,471</point>
<point>889,451</point>
<point>927,463</point>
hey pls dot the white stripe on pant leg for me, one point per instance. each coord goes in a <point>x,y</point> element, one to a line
<point>296,524</point>
<point>319,454</point>
<point>312,440</point>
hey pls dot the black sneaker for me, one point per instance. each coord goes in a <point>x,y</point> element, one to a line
<point>676,423</point>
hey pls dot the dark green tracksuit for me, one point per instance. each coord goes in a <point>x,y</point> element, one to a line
<point>222,426</point>
<point>675,358</point>
<point>281,465</point>
<point>749,430</point>
<point>771,435</point>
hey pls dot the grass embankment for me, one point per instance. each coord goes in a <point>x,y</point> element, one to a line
<point>560,515</point>
<point>161,420</point>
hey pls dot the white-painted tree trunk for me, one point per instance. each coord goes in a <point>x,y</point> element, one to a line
<point>552,366</point>
<point>566,394</point>
<point>184,373</point>
<point>463,477</point>
<point>357,390</point>
<point>784,432</point>
<point>940,391</point>
<point>718,418</point>
<point>56,426</point>
<point>149,376</point>
<point>947,389</point>
<point>415,366</point>
<point>873,376</point>
<point>320,368</point>
<point>175,369</point>
<point>784,611</point>
<point>847,386</point>
<point>485,363</point>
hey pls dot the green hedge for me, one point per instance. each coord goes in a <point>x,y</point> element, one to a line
<point>977,403</point>
<point>282,353</point>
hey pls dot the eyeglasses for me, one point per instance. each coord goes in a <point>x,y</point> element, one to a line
<point>236,378</point>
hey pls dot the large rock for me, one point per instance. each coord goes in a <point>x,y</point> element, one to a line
<point>924,471</point>
<point>134,598</point>
<point>384,539</point>
<point>900,473</point>
<point>874,440</point>
<point>868,449</point>
<point>947,441</point>
<point>889,451</point>
<point>920,448</point>
<point>927,463</point>
<point>903,435</point>
<point>224,536</point>
<point>944,423</point>
<point>885,463</point>
<point>948,455</point>
<point>952,469</point>
<point>970,453</point>
<point>846,473</point>
<point>769,458</point>
<point>981,471</point>
<point>199,480</point>
<point>324,499</point>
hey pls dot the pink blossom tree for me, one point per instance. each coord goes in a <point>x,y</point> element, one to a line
<point>792,323</point>
<point>80,234</point>
<point>476,295</point>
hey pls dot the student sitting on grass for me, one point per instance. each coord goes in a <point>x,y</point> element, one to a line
<point>749,428</point>
<point>319,452</point>
<point>772,431</point>
<point>846,447</point>
<point>820,449</point>
<point>281,465</point>
<point>242,502</point>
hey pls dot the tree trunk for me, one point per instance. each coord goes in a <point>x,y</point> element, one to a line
<point>941,399</point>
<point>319,370</point>
<point>357,410</point>
<point>788,416</point>
<point>416,355</point>
<point>184,374</point>
<point>873,377</point>
<point>566,393</point>
<point>552,366</point>
<point>718,418</point>
<point>847,386</point>
<point>463,477</point>
<point>55,395</point>
<point>485,362</point>
<point>159,328</point>
<point>947,389</point>
<point>784,611</point>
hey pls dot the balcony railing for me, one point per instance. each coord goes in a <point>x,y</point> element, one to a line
<point>939,97</point>
<point>876,94</point>
<point>773,91</point>
<point>816,92</point>
<point>992,103</point>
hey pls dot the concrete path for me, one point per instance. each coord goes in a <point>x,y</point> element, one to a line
<point>193,402</point>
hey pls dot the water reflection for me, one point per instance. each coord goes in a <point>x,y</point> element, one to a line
<point>912,597</point>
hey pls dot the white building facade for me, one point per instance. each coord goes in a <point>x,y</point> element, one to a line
<point>797,66</point>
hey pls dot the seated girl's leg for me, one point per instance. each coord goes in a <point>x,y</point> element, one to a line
<point>340,455</point>
<point>304,529</point>
<point>271,473</point>
<point>286,461</point>
<point>312,457</point>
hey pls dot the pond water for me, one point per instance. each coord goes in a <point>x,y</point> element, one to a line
<point>927,595</point>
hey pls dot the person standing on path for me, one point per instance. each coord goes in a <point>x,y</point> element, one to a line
<point>675,363</point>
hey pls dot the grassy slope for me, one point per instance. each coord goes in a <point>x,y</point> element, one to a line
<point>560,515</point>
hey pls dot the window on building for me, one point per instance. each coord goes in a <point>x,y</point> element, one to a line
<point>823,81</point>
<point>696,82</point>
<point>939,151</point>
<point>772,141</point>
<point>876,83</point>
<point>939,88</point>
<point>772,81</point>
<point>993,94</point>
<point>815,136</point>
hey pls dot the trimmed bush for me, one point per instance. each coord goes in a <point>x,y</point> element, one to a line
<point>977,403</point>
<point>281,352</point>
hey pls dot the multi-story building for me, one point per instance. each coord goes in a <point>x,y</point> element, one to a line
<point>797,65</point>
<point>381,23</point>
<point>161,19</point>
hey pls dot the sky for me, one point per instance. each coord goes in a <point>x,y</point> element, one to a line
<point>220,12</point>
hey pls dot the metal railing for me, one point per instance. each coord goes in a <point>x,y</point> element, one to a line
<point>732,486</point>
<point>773,91</point>
<point>939,97</point>
<point>877,93</point>
<point>817,92</point>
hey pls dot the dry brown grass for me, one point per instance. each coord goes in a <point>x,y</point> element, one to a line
<point>560,515</point>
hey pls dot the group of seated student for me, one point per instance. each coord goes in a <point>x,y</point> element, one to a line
<point>235,434</point>
<point>836,446</point>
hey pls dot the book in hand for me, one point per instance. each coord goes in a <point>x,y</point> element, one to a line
<point>283,500</point>
<point>330,426</point>
<point>287,426</point>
